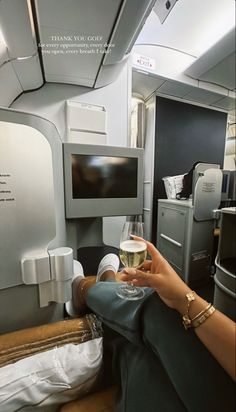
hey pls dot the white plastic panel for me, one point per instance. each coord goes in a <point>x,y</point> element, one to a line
<point>16,28</point>
<point>203,96</point>
<point>22,302</point>
<point>84,116</point>
<point>74,64</point>
<point>145,84</point>
<point>207,194</point>
<point>75,36</point>
<point>147,195</point>
<point>169,63</point>
<point>10,86</point>
<point>230,162</point>
<point>150,139</point>
<point>77,80</point>
<point>128,25</point>
<point>27,204</point>
<point>163,7</point>
<point>3,50</point>
<point>222,73</point>
<point>75,136</point>
<point>112,237</point>
<point>86,123</point>
<point>227,103</point>
<point>204,93</point>
<point>49,103</point>
<point>218,63</point>
<point>80,16</point>
<point>29,72</point>
<point>109,73</point>
<point>208,21</point>
<point>230,148</point>
<point>147,218</point>
<point>149,164</point>
<point>174,89</point>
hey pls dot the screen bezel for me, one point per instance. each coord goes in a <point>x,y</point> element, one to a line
<point>99,207</point>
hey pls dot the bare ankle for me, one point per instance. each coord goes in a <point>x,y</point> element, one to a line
<point>80,288</point>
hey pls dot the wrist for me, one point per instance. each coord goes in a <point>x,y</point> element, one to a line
<point>195,307</point>
<point>181,301</point>
<point>197,310</point>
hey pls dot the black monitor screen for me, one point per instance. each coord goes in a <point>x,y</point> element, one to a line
<point>99,177</point>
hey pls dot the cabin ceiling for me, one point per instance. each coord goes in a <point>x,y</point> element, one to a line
<point>192,26</point>
<point>199,32</point>
<point>145,86</point>
<point>60,41</point>
<point>72,29</point>
<point>217,65</point>
<point>65,41</point>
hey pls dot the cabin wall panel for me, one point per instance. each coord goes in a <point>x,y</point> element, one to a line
<point>49,102</point>
<point>184,134</point>
<point>16,28</point>
<point>25,297</point>
<point>10,85</point>
<point>149,165</point>
<point>29,72</point>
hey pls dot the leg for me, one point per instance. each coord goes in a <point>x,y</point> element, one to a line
<point>198,379</point>
<point>122,316</point>
<point>107,271</point>
<point>143,382</point>
<point>154,330</point>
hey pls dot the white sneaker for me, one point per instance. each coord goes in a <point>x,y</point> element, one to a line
<point>109,262</point>
<point>78,272</point>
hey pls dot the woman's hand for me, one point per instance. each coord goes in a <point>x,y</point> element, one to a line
<point>159,275</point>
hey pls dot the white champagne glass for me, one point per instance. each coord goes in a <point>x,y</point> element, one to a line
<point>132,254</point>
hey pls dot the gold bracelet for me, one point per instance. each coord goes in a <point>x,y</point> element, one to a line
<point>201,313</point>
<point>186,319</point>
<point>202,318</point>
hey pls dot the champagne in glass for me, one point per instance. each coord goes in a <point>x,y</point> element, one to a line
<point>132,254</point>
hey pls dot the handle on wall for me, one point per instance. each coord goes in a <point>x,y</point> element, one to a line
<point>171,240</point>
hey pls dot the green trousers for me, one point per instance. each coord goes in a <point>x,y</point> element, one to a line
<point>158,365</point>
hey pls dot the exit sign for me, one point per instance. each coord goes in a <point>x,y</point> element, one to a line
<point>144,62</point>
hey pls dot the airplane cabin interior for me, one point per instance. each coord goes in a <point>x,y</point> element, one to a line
<point>111,112</point>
